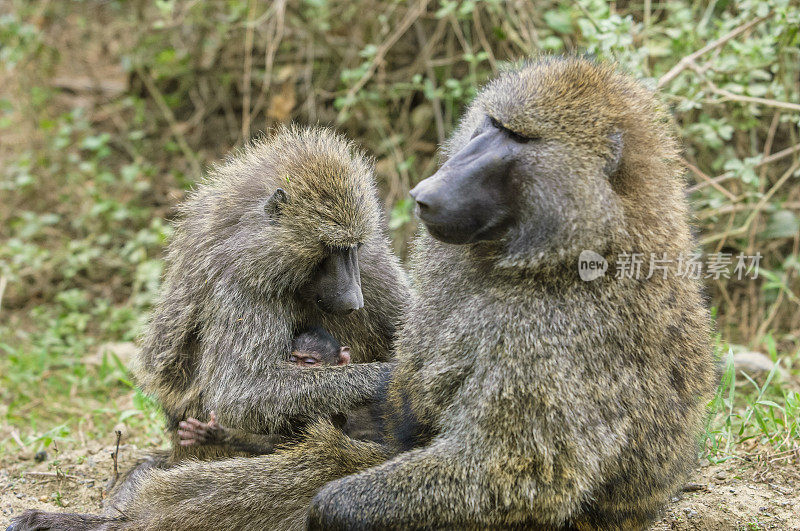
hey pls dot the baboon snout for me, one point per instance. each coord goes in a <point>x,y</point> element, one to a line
<point>427,198</point>
<point>348,302</point>
<point>336,285</point>
<point>469,198</point>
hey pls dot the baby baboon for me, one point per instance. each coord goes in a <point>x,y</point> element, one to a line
<point>314,347</point>
<point>524,397</point>
<point>317,348</point>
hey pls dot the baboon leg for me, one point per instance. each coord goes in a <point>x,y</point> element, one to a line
<point>124,489</point>
<point>266,492</point>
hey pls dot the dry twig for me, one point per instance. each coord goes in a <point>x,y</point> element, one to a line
<point>115,455</point>
<point>694,169</point>
<point>727,175</point>
<point>686,61</point>
<point>248,65</point>
<point>764,200</point>
<point>169,116</point>
<point>412,15</point>
<point>54,475</point>
<point>752,99</point>
<point>279,8</point>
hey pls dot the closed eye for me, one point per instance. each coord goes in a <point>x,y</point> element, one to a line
<point>517,137</point>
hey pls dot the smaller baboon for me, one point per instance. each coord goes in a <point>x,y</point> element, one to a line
<point>315,347</point>
<point>287,233</point>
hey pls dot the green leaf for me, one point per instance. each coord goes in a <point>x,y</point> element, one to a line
<point>559,21</point>
<point>781,224</point>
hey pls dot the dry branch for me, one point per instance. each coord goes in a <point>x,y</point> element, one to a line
<point>764,200</point>
<point>248,66</point>
<point>170,118</point>
<point>412,15</point>
<point>53,475</point>
<point>727,175</point>
<point>751,99</point>
<point>695,170</point>
<point>686,61</point>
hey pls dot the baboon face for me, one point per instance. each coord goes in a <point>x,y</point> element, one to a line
<point>335,286</point>
<point>307,359</point>
<point>472,196</point>
<point>538,179</point>
<point>316,347</point>
<point>319,209</point>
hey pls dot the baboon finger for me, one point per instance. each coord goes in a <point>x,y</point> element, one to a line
<point>191,434</point>
<point>193,422</point>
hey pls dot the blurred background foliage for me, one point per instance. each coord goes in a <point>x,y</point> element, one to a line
<point>110,110</point>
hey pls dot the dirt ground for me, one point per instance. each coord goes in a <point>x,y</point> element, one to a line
<point>747,494</point>
<point>743,493</point>
<point>70,480</point>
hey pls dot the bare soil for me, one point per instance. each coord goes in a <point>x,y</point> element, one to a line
<point>748,493</point>
<point>742,493</point>
<point>70,480</point>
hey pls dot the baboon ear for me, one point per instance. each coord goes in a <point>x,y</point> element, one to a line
<point>274,204</point>
<point>615,157</point>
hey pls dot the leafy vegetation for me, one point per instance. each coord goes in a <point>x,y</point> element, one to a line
<point>109,111</point>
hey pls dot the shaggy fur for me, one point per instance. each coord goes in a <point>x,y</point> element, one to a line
<point>222,330</point>
<point>524,397</point>
<point>543,400</point>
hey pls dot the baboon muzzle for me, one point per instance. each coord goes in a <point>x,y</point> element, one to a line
<point>468,199</point>
<point>336,287</point>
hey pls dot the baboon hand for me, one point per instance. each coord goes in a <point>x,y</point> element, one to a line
<point>330,510</point>
<point>191,431</point>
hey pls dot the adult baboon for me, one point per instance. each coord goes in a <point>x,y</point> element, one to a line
<point>545,400</point>
<point>283,236</point>
<point>524,396</point>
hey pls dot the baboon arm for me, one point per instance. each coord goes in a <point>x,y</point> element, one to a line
<point>285,392</point>
<point>165,363</point>
<point>450,485</point>
<point>251,443</point>
<point>431,487</point>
